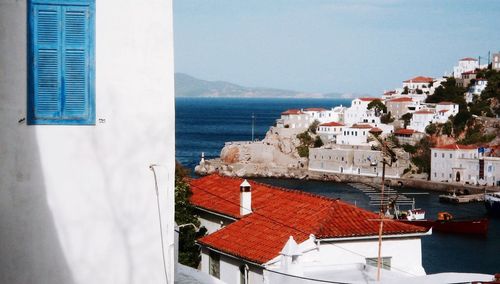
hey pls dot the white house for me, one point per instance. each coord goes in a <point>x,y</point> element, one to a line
<point>444,110</point>
<point>421,119</point>
<point>465,65</point>
<point>319,233</point>
<point>87,144</point>
<point>357,134</point>
<point>330,130</point>
<point>476,89</point>
<point>294,118</point>
<point>357,111</point>
<point>418,85</point>
<point>319,114</point>
<point>495,62</point>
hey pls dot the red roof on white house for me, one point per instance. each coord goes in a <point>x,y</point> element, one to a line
<point>468,59</point>
<point>420,79</point>
<point>361,126</point>
<point>455,147</point>
<point>401,100</point>
<point>404,131</point>
<point>279,213</point>
<point>332,124</point>
<point>424,111</point>
<point>367,99</point>
<point>445,103</point>
<point>315,109</point>
<point>376,130</point>
<point>292,112</point>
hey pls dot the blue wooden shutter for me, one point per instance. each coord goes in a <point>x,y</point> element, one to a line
<point>46,100</point>
<point>76,56</point>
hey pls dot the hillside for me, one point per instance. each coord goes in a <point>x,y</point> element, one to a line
<point>188,86</point>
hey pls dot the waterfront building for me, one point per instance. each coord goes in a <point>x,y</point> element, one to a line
<point>294,118</point>
<point>319,114</point>
<point>359,111</point>
<point>329,131</point>
<point>464,164</point>
<point>398,106</point>
<point>261,235</point>
<point>465,65</point>
<point>495,62</point>
<point>355,160</point>
<point>86,115</point>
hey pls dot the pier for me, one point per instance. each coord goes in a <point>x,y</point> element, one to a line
<point>457,199</point>
<point>375,195</point>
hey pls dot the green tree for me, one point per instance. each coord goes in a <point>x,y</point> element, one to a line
<point>314,126</point>
<point>422,159</point>
<point>378,105</point>
<point>460,121</point>
<point>386,118</point>
<point>431,129</point>
<point>189,251</point>
<point>318,142</point>
<point>407,118</point>
<point>447,128</point>
<point>449,91</point>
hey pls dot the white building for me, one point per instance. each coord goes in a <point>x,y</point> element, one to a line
<point>418,85</point>
<point>356,134</point>
<point>79,142</point>
<point>495,62</point>
<point>294,118</point>
<point>444,110</point>
<point>465,65</point>
<point>330,130</point>
<point>464,164</point>
<point>476,90</point>
<point>358,111</point>
<point>421,119</point>
<point>319,234</point>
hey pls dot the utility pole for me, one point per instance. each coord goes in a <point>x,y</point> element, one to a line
<point>381,226</point>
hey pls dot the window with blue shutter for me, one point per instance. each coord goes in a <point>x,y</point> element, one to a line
<point>61,62</point>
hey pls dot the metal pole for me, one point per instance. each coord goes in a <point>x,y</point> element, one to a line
<point>381,227</point>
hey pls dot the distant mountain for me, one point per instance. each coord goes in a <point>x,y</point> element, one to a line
<point>188,86</point>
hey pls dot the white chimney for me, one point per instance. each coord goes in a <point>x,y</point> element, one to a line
<point>245,198</point>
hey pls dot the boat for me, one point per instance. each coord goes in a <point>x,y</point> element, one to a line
<point>492,203</point>
<point>445,223</point>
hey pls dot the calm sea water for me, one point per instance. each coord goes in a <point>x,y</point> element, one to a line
<point>204,124</point>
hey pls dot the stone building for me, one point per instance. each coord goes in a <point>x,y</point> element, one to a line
<point>355,159</point>
<point>398,106</point>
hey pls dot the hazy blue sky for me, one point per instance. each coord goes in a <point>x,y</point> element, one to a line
<point>328,45</point>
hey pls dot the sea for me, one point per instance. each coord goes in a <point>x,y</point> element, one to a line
<point>204,124</point>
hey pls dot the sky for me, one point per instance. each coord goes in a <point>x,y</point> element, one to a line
<point>360,47</point>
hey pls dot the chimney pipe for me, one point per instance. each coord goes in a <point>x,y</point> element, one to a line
<point>245,198</point>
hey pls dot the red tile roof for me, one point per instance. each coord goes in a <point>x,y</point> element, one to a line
<point>361,126</point>
<point>420,79</point>
<point>292,112</point>
<point>404,131</point>
<point>468,59</point>
<point>332,124</point>
<point>376,130</point>
<point>366,99</point>
<point>391,92</point>
<point>455,147</point>
<point>400,100</point>
<point>469,72</point>
<point>424,111</point>
<point>443,110</point>
<point>277,214</point>
<point>315,109</point>
<point>445,103</point>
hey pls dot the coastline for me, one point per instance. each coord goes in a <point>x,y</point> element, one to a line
<point>217,166</point>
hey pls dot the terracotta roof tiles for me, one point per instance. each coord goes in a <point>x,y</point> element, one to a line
<point>277,214</point>
<point>331,124</point>
<point>420,79</point>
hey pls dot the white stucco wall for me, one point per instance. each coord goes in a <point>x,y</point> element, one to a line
<point>230,269</point>
<point>77,203</point>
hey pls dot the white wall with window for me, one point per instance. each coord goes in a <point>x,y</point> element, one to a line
<point>78,196</point>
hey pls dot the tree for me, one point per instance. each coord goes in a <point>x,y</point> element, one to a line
<point>378,105</point>
<point>189,252</point>
<point>450,92</point>
<point>431,129</point>
<point>318,142</point>
<point>407,118</point>
<point>447,128</point>
<point>423,157</point>
<point>386,118</point>
<point>405,90</point>
<point>314,126</point>
<point>460,121</point>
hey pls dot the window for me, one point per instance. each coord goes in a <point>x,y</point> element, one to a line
<point>442,155</point>
<point>451,156</point>
<point>435,155</point>
<point>385,262</point>
<point>214,264</point>
<point>61,62</point>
